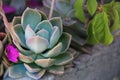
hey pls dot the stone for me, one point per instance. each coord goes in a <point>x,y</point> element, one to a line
<point>102,64</point>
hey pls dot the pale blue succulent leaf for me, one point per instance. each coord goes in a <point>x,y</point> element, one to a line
<point>27,58</point>
<point>29,33</point>
<point>36,75</point>
<point>45,63</point>
<point>54,51</point>
<point>37,44</point>
<point>24,51</point>
<point>54,37</point>
<point>19,32</point>
<point>57,21</point>
<point>63,59</point>
<point>16,71</point>
<point>6,77</point>
<point>43,33</point>
<point>56,70</point>
<point>32,67</point>
<point>66,40</point>
<point>45,24</point>
<point>31,17</point>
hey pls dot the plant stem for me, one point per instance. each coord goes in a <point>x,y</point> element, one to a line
<point>8,25</point>
<point>51,9</point>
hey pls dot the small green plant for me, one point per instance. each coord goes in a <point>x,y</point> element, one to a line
<point>102,19</point>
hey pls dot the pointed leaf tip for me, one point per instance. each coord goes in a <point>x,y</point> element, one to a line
<point>45,62</point>
<point>37,75</point>
<point>91,6</point>
<point>54,37</point>
<point>66,40</point>
<point>55,51</point>
<point>30,69</point>
<point>57,21</point>
<point>29,33</point>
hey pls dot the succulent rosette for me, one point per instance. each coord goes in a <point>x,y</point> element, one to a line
<point>42,46</point>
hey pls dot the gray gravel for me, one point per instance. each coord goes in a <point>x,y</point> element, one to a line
<point>102,64</point>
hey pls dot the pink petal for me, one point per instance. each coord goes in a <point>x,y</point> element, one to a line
<point>12,53</point>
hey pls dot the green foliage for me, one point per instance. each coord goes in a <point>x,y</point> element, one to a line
<point>116,19</point>
<point>98,30</point>
<point>116,9</point>
<point>103,19</point>
<point>113,11</point>
<point>92,6</point>
<point>79,12</point>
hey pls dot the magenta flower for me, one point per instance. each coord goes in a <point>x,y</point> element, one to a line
<point>12,53</point>
<point>8,9</point>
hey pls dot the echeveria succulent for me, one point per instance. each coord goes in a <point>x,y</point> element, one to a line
<point>42,46</point>
<point>3,40</point>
